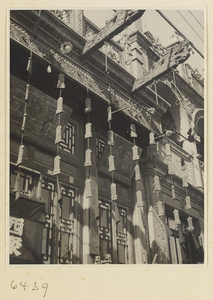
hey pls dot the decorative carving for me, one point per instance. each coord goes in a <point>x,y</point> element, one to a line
<point>21,36</point>
<point>115,54</point>
<point>156,45</point>
<point>188,105</point>
<point>89,32</point>
<point>72,18</point>
<point>80,22</point>
<point>195,73</point>
<point>122,19</point>
<point>174,56</point>
<point>189,74</point>
<point>63,15</point>
<point>99,87</point>
<point>79,74</point>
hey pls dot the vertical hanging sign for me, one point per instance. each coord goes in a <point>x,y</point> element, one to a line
<point>59,137</point>
<point>87,136</point>
<point>135,157</point>
<point>20,158</point>
<point>110,142</point>
<point>111,158</point>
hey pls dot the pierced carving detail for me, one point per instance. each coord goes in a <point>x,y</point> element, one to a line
<point>21,36</point>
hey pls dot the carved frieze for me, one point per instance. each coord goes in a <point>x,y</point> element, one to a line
<point>80,74</point>
<point>22,37</point>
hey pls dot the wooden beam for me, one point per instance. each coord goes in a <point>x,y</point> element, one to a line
<point>176,55</point>
<point>118,23</point>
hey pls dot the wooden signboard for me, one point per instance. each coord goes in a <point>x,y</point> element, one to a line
<point>122,19</point>
<point>176,55</point>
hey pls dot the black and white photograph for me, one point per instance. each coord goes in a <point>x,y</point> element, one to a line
<point>106,137</point>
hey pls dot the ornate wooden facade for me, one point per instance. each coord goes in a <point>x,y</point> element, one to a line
<point>70,218</point>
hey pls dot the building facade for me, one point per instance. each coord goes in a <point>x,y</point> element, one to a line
<point>101,173</point>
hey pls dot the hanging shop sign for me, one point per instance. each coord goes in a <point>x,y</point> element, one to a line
<point>16,232</point>
<point>25,240</point>
<point>79,74</point>
<point>118,23</point>
<point>176,55</point>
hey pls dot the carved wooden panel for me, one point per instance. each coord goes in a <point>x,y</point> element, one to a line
<point>80,74</point>
<point>175,56</point>
<point>122,19</point>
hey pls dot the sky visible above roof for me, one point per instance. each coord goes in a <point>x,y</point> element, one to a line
<point>191,23</point>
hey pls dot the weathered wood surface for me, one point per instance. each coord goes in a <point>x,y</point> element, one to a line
<point>176,55</point>
<point>122,19</point>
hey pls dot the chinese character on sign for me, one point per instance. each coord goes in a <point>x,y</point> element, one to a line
<point>15,244</point>
<point>16,226</point>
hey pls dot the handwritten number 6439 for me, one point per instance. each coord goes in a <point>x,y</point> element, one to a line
<point>24,285</point>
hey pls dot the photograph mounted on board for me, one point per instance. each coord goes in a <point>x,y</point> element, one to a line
<point>106,137</point>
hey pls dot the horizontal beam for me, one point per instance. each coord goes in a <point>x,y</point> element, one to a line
<point>176,55</point>
<point>118,23</point>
